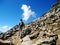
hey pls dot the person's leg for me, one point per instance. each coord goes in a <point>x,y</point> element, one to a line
<point>20,33</point>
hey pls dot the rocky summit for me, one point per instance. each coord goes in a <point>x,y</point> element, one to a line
<point>43,31</point>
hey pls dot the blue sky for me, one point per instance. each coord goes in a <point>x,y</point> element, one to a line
<point>11,11</point>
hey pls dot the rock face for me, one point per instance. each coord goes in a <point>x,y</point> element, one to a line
<point>5,42</point>
<point>43,31</point>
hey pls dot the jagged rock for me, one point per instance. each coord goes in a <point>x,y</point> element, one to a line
<point>26,32</point>
<point>6,35</point>
<point>58,9</point>
<point>48,14</point>
<point>43,27</point>
<point>1,36</point>
<point>58,21</point>
<point>34,35</point>
<point>41,33</point>
<point>50,28</point>
<point>55,29</point>
<point>48,21</point>
<point>42,23</point>
<point>5,42</point>
<point>46,41</point>
<point>14,30</point>
<point>26,41</point>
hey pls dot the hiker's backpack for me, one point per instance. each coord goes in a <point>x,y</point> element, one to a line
<point>21,24</point>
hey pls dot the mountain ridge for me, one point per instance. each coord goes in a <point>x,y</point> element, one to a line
<point>48,23</point>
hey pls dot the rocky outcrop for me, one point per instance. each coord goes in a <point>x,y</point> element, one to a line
<point>40,40</point>
<point>46,27</point>
<point>43,31</point>
<point>5,42</point>
<point>9,33</point>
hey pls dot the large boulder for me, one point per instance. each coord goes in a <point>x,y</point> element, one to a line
<point>26,41</point>
<point>5,42</point>
<point>25,32</point>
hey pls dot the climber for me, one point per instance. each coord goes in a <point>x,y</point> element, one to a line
<point>21,25</point>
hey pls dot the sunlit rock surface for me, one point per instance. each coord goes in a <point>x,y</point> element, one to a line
<point>45,30</point>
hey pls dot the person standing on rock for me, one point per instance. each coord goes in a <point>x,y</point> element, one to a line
<point>21,25</point>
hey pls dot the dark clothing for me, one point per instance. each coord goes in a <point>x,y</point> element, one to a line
<point>21,24</point>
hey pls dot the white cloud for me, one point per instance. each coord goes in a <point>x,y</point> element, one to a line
<point>27,12</point>
<point>4,28</point>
